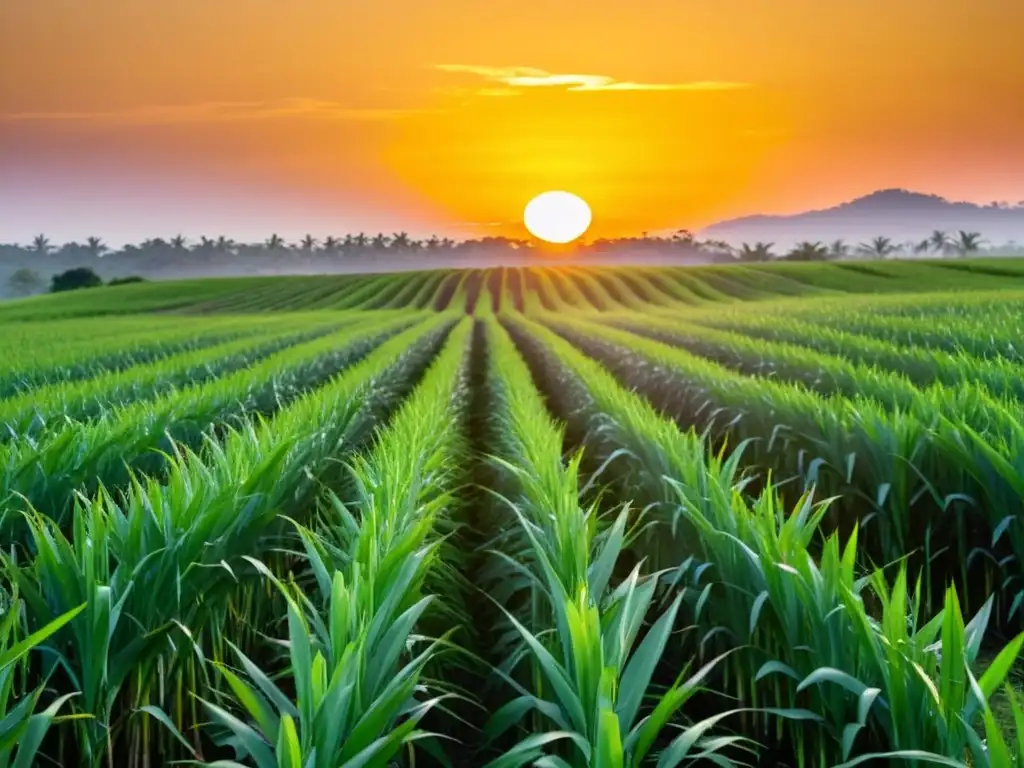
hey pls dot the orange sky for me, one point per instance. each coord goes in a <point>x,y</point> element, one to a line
<point>137,117</point>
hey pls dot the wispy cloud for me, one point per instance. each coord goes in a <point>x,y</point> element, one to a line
<point>218,111</point>
<point>531,77</point>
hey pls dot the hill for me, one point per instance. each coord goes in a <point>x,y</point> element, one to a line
<point>896,213</point>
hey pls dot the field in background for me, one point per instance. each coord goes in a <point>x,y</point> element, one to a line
<point>601,288</point>
<point>518,516</point>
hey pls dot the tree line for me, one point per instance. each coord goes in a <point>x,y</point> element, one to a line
<point>312,251</point>
<point>938,243</point>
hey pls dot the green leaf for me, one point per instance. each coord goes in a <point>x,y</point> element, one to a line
<point>755,611</point>
<point>775,667</point>
<point>251,741</point>
<point>637,676</point>
<point>33,734</point>
<point>904,754</point>
<point>256,706</point>
<point>289,750</point>
<point>679,747</point>
<point>18,650</point>
<point>997,671</point>
<point>162,717</point>
<point>830,675</point>
<point>530,747</point>
<point>609,740</point>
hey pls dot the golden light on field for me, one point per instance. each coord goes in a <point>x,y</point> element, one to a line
<point>557,216</point>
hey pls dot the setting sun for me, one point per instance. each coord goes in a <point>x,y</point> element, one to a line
<point>557,217</point>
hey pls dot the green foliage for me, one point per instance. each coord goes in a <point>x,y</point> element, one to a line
<point>73,279</point>
<point>720,520</point>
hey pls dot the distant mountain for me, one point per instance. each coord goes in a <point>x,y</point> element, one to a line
<point>896,213</point>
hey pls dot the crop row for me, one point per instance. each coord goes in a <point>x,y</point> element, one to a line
<point>137,437</point>
<point>85,399</point>
<point>833,663</point>
<point>552,288</point>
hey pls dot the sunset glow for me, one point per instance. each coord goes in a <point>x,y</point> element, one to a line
<point>130,118</point>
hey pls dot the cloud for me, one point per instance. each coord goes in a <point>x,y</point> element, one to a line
<point>207,112</point>
<point>531,77</point>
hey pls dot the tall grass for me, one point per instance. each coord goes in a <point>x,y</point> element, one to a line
<point>138,437</point>
<point>894,469</point>
<point>154,568</point>
<point>589,698</point>
<point>353,674</point>
<point>833,650</point>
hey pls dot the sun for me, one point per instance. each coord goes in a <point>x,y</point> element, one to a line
<point>557,217</point>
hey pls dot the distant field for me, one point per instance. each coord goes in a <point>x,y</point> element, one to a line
<point>603,288</point>
<point>766,513</point>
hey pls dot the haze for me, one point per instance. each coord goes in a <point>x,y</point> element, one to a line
<point>130,118</point>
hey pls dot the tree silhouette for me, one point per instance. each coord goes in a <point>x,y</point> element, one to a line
<point>807,251</point>
<point>683,237</point>
<point>41,245</point>
<point>95,247</point>
<point>24,282</point>
<point>179,243</point>
<point>939,242</point>
<point>308,243</point>
<point>224,244</point>
<point>714,246</point>
<point>275,242</point>
<point>331,244</point>
<point>838,249</point>
<point>878,248</point>
<point>966,243</point>
<point>380,241</point>
<point>361,240</point>
<point>400,240</point>
<point>73,279</point>
<point>756,252</point>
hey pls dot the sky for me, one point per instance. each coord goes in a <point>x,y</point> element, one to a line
<point>136,118</point>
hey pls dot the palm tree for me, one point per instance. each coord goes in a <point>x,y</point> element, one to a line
<point>274,242</point>
<point>838,249</point>
<point>179,243</point>
<point>939,242</point>
<point>966,243</point>
<point>331,244</point>
<point>878,248</point>
<point>95,246</point>
<point>224,244</point>
<point>807,251</point>
<point>361,240</point>
<point>757,252</point>
<point>41,245</point>
<point>308,243</point>
<point>400,240</point>
<point>380,241</point>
